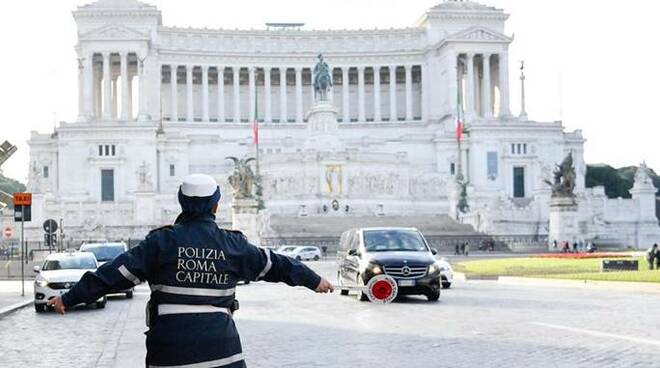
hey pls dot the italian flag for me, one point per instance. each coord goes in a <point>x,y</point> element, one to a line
<point>255,131</point>
<point>459,120</point>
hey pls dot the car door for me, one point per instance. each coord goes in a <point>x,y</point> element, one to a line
<point>353,260</point>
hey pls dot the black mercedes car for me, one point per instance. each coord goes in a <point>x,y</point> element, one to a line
<point>398,252</point>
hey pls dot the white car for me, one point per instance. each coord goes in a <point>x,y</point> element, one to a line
<point>301,252</point>
<point>446,272</point>
<point>106,252</point>
<point>59,273</point>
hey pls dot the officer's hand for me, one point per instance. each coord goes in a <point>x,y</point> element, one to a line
<point>57,304</point>
<point>324,287</point>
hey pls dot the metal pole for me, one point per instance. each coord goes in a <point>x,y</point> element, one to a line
<point>22,252</point>
<point>61,239</point>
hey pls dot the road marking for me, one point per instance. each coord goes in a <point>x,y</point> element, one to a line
<point>600,334</point>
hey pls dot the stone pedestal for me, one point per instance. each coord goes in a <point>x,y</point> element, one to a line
<point>563,221</point>
<point>322,127</point>
<point>145,208</point>
<point>244,217</point>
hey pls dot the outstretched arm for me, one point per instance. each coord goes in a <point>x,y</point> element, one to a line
<point>262,264</point>
<point>124,272</point>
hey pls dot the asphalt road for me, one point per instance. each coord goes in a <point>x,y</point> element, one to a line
<point>475,324</point>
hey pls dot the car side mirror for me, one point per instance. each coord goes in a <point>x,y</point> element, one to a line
<point>434,251</point>
<point>353,252</point>
<point>36,269</point>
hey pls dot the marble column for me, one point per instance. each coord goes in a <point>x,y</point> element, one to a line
<point>115,91</point>
<point>504,84</point>
<point>107,87</point>
<point>283,113</point>
<point>88,95</point>
<point>299,95</point>
<point>345,95</point>
<point>252,90</point>
<point>485,88</point>
<point>98,92</point>
<point>377,114</point>
<point>123,60</point>
<point>143,90</point>
<point>130,96</point>
<point>205,93</point>
<point>469,92</point>
<point>237,93</point>
<point>267,96</point>
<point>409,102</point>
<point>174,113</point>
<point>221,94</point>
<point>189,93</point>
<point>393,112</point>
<point>361,113</point>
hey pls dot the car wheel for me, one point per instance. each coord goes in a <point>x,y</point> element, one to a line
<point>101,304</point>
<point>339,282</point>
<point>446,285</point>
<point>129,294</point>
<point>361,296</point>
<point>433,296</point>
<point>39,308</point>
<point>316,258</point>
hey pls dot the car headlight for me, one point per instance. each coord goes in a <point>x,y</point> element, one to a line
<point>375,269</point>
<point>41,283</point>
<point>436,268</point>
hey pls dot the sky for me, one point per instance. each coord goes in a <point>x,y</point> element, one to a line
<point>595,65</point>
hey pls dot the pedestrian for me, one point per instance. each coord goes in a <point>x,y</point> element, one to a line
<point>324,249</point>
<point>463,248</point>
<point>575,247</point>
<point>456,249</point>
<point>554,244</point>
<point>652,255</point>
<point>192,268</point>
<point>466,250</point>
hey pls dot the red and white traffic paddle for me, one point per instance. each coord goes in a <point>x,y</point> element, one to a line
<point>381,289</point>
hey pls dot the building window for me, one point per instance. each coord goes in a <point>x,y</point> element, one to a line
<point>491,165</point>
<point>45,172</point>
<point>518,182</point>
<point>112,149</point>
<point>100,150</point>
<point>172,170</point>
<point>452,168</point>
<point>518,148</point>
<point>107,185</point>
<point>107,150</point>
<point>513,149</point>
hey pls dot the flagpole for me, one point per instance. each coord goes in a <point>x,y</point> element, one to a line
<point>256,121</point>
<point>459,166</point>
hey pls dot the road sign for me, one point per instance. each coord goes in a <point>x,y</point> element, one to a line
<point>22,199</point>
<point>23,213</point>
<point>7,232</point>
<point>50,226</point>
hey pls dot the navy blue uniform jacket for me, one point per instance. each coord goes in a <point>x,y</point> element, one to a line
<point>192,268</point>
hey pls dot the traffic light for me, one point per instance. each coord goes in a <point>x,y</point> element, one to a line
<point>47,240</point>
<point>53,240</point>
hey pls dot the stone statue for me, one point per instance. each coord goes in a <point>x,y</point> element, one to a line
<point>462,203</point>
<point>642,174</point>
<point>563,184</point>
<point>322,79</point>
<point>144,176</point>
<point>242,179</point>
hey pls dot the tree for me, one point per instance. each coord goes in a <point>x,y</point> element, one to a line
<point>10,186</point>
<point>617,182</point>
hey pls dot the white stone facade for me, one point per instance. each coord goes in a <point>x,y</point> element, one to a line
<point>151,110</point>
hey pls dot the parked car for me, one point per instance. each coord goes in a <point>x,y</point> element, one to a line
<point>302,252</point>
<point>58,274</point>
<point>401,253</point>
<point>106,252</point>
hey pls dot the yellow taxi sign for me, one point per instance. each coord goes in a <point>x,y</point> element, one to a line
<point>22,199</point>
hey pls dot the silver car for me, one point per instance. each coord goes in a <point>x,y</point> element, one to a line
<point>106,252</point>
<point>60,271</point>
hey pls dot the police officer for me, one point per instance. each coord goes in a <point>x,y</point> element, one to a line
<point>192,269</point>
<point>651,255</point>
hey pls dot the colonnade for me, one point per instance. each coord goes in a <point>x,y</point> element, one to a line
<point>480,74</point>
<point>350,81</point>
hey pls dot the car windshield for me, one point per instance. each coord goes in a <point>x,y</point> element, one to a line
<point>70,263</point>
<point>104,252</point>
<point>289,249</point>
<point>393,240</point>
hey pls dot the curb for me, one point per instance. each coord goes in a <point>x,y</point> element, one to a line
<point>13,307</point>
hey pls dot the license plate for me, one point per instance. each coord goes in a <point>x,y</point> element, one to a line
<point>406,282</point>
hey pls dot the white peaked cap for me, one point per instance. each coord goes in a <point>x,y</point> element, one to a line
<point>198,185</point>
